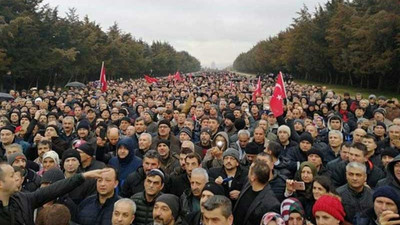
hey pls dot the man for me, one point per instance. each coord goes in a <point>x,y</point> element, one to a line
<point>385,200</point>
<point>181,182</point>
<point>335,140</point>
<point>280,163</point>
<point>19,206</point>
<point>125,122</point>
<point>344,156</point>
<point>144,145</point>
<point>140,127</point>
<point>151,126</point>
<point>356,197</point>
<point>230,169</point>
<point>358,135</point>
<point>256,198</point>
<point>166,210</point>
<point>42,147</point>
<point>164,132</point>
<point>229,122</point>
<point>97,209</point>
<point>251,150</point>
<point>240,144</point>
<point>31,179</point>
<point>393,175</point>
<point>259,138</point>
<point>213,124</point>
<point>67,132</point>
<point>284,139</point>
<point>218,211</point>
<point>7,137</point>
<point>369,141</point>
<point>123,212</point>
<point>190,199</point>
<point>205,140</point>
<point>106,149</point>
<point>358,153</point>
<point>87,158</point>
<point>169,161</point>
<point>134,183</point>
<point>145,200</point>
<point>393,139</point>
<point>298,154</point>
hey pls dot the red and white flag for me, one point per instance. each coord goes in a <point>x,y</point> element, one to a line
<point>276,102</point>
<point>257,91</point>
<point>103,81</point>
<point>150,79</point>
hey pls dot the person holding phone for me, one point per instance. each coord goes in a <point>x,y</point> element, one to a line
<point>302,187</point>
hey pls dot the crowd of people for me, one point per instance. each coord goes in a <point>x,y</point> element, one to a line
<point>198,151</point>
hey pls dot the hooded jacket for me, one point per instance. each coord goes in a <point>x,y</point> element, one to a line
<point>209,161</point>
<point>128,164</point>
<point>391,179</point>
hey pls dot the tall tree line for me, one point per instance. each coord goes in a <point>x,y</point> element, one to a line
<point>37,46</point>
<point>344,42</point>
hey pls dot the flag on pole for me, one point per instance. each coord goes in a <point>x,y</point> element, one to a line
<point>150,79</point>
<point>257,91</point>
<point>276,102</point>
<point>103,81</point>
<point>280,81</point>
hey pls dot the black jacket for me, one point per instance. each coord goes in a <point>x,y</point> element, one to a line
<point>366,217</point>
<point>134,183</point>
<point>263,203</point>
<point>354,202</point>
<point>391,179</point>
<point>22,204</point>
<point>144,209</point>
<point>178,184</point>
<point>91,212</point>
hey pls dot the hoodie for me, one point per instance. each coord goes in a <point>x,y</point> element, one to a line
<point>209,161</point>
<point>391,179</point>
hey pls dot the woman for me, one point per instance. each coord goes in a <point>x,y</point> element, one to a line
<point>305,175</point>
<point>50,160</point>
<point>328,210</point>
<point>272,218</point>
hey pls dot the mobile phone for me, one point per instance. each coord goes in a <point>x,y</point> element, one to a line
<point>299,185</point>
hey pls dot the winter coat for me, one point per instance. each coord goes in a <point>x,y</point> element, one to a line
<point>144,209</point>
<point>366,217</point>
<point>133,184</point>
<point>22,204</point>
<point>31,182</point>
<point>91,212</point>
<point>209,161</point>
<point>179,183</point>
<point>354,202</point>
<point>391,179</point>
<point>175,145</point>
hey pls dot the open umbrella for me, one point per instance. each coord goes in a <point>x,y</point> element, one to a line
<point>75,84</point>
<point>5,96</point>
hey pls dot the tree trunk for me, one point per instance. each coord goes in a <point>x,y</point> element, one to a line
<point>361,82</point>
<point>380,82</point>
<point>350,80</point>
<point>368,81</point>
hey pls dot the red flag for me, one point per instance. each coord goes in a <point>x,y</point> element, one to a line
<point>276,102</point>
<point>170,77</point>
<point>103,81</point>
<point>280,81</point>
<point>257,91</point>
<point>177,76</point>
<point>150,79</point>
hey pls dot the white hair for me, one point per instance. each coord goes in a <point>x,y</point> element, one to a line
<point>128,201</point>
<point>356,165</point>
<point>201,172</point>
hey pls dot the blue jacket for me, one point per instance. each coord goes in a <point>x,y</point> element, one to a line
<point>91,212</point>
<point>127,165</point>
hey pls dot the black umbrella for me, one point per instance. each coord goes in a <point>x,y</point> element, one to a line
<point>5,96</point>
<point>75,84</point>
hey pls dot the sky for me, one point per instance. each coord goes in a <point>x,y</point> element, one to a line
<point>213,31</point>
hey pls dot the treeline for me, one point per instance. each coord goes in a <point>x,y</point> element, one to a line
<point>355,43</point>
<point>37,46</point>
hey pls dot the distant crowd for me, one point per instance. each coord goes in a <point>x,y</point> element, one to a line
<point>198,151</point>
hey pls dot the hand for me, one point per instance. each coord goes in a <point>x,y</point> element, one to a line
<point>218,154</point>
<point>290,186</point>
<point>37,138</point>
<point>234,194</point>
<point>37,114</point>
<point>388,215</point>
<point>95,173</point>
<point>219,180</point>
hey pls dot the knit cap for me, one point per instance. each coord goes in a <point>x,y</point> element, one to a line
<point>306,137</point>
<point>52,154</point>
<point>330,205</point>
<point>18,155</point>
<point>86,148</point>
<point>186,131</point>
<point>52,175</point>
<point>231,152</point>
<point>214,188</point>
<point>71,153</point>
<point>172,201</point>
<point>387,192</point>
<point>83,124</point>
<point>284,128</point>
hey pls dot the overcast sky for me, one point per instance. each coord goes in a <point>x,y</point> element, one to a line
<point>210,30</point>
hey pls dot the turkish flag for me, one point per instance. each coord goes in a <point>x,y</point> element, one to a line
<point>150,79</point>
<point>276,102</point>
<point>177,76</point>
<point>257,91</point>
<point>103,81</point>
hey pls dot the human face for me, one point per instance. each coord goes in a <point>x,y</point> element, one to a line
<point>324,218</point>
<point>83,132</point>
<point>144,142</point>
<point>356,155</point>
<point>67,125</point>
<point>243,141</point>
<point>6,136</point>
<point>382,204</point>
<point>20,162</point>
<point>215,217</point>
<point>190,165</point>
<point>71,165</point>
<point>379,131</point>
<point>295,219</point>
<point>107,183</point>
<point>306,175</point>
<point>213,125</point>
<point>163,150</point>
<point>184,137</point>
<point>356,178</point>
<point>153,185</point>
<point>122,152</point>
<point>205,138</point>
<point>344,153</point>
<point>113,136</point>
<point>315,159</point>
<point>394,133</point>
<point>358,135</point>
<point>163,130</point>
<point>318,190</point>
<point>335,124</point>
<point>283,136</point>
<point>335,140</point>
<point>396,168</point>
<point>48,163</point>
<point>205,195</point>
<point>9,183</point>
<point>140,126</point>
<point>305,145</point>
<point>182,159</point>
<point>149,164</point>
<point>162,214</point>
<point>259,135</point>
<point>386,160</point>
<point>130,130</point>
<point>230,163</point>
<point>370,143</point>
<point>197,183</point>
<point>122,214</point>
